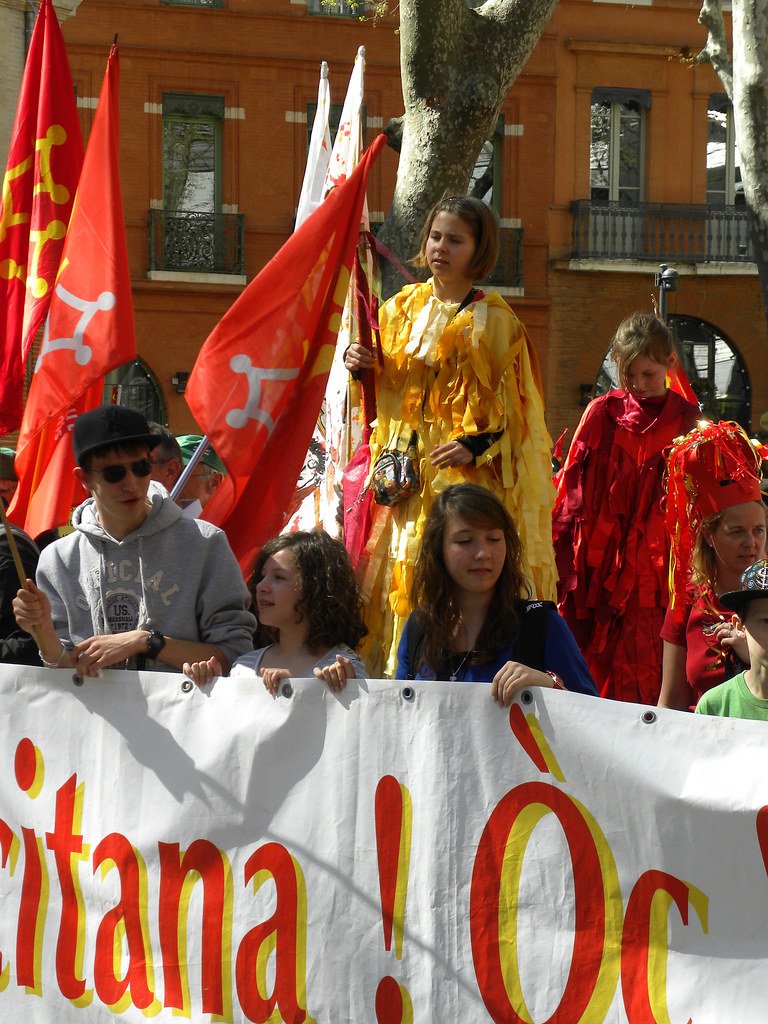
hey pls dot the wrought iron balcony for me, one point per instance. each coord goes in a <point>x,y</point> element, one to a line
<point>659,232</point>
<point>201,243</point>
<point>508,272</point>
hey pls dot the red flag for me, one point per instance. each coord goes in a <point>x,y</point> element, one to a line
<point>259,381</point>
<point>38,190</point>
<point>89,329</point>
<point>678,381</point>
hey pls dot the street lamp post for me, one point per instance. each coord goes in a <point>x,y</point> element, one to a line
<point>665,281</point>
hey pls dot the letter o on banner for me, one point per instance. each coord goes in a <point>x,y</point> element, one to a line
<point>595,963</point>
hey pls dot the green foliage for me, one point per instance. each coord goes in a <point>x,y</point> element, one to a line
<point>363,10</point>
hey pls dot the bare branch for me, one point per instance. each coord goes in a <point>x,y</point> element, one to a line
<point>716,50</point>
<point>510,27</point>
<point>506,14</point>
<point>425,21</point>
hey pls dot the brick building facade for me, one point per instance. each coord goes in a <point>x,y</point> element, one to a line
<point>613,154</point>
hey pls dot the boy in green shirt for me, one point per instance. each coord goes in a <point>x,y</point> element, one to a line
<point>746,695</point>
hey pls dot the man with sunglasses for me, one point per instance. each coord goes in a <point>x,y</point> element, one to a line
<point>136,585</point>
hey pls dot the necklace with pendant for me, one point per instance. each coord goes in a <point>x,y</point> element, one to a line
<point>454,675</point>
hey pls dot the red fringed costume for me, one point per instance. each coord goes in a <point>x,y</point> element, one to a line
<point>713,468</point>
<point>611,542</point>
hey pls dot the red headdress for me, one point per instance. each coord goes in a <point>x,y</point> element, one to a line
<point>710,469</point>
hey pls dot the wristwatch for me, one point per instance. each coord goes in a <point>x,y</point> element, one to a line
<point>155,643</point>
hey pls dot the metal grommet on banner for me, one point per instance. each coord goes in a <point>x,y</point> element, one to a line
<point>526,697</point>
<point>286,689</point>
<point>408,693</point>
<point>187,685</point>
<point>648,717</point>
<point>77,680</point>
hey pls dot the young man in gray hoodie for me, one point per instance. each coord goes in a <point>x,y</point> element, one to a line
<point>136,585</point>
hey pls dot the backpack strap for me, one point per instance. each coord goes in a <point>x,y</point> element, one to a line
<point>532,634</point>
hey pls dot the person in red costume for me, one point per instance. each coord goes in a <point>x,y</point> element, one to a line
<point>609,534</point>
<point>717,523</point>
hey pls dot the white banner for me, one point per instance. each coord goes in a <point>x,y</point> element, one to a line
<point>403,852</point>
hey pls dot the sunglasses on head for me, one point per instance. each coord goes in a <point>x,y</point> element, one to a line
<point>114,474</point>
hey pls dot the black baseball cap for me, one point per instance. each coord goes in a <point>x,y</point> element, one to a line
<point>754,583</point>
<point>107,427</point>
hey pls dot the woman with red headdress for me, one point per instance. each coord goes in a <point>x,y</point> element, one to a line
<point>717,523</point>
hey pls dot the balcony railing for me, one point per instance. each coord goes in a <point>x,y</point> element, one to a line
<point>202,243</point>
<point>604,230</point>
<point>508,272</point>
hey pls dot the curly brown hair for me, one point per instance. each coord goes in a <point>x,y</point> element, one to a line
<point>330,597</point>
<point>433,589</point>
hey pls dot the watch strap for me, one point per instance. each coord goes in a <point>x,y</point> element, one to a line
<point>155,643</point>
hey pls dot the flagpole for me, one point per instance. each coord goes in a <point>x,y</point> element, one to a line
<point>197,455</point>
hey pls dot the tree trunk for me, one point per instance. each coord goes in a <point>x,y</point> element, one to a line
<point>745,78</point>
<point>750,110</point>
<point>457,65</point>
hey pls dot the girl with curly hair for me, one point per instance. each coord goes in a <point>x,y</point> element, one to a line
<point>309,612</point>
<point>472,620</point>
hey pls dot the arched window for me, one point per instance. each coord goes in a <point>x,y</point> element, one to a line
<point>135,386</point>
<point>715,369</point>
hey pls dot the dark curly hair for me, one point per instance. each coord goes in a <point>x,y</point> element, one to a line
<point>330,601</point>
<point>432,595</point>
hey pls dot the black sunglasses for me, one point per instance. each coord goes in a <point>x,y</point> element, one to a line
<point>114,474</point>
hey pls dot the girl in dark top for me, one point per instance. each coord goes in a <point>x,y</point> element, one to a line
<point>17,647</point>
<point>471,621</point>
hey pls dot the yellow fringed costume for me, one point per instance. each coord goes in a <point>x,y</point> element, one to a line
<point>450,375</point>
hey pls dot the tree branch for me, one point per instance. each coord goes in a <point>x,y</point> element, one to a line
<point>424,26</point>
<point>716,50</point>
<point>394,133</point>
<point>516,20</point>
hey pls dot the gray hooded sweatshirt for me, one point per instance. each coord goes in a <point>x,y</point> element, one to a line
<point>174,574</point>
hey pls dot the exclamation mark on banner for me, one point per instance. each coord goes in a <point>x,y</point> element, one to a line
<point>761,824</point>
<point>527,732</point>
<point>394,819</point>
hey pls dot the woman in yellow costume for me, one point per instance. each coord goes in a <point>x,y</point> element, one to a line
<point>458,369</point>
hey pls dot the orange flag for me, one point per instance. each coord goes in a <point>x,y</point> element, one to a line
<point>259,381</point>
<point>44,163</point>
<point>89,329</point>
